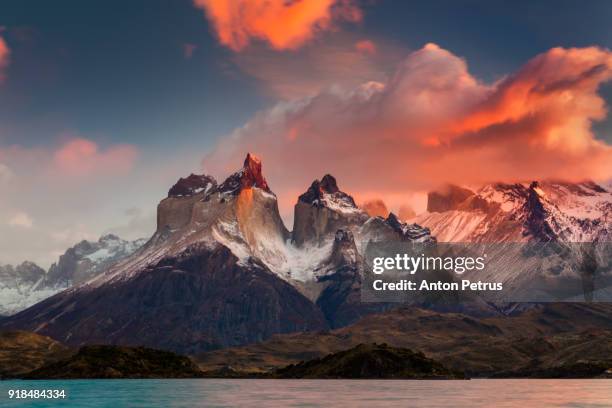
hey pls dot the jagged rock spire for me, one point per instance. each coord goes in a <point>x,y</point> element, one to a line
<point>252,175</point>
<point>328,184</point>
<point>249,176</point>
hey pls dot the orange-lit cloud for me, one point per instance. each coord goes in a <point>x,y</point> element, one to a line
<point>433,122</point>
<point>76,157</point>
<point>4,58</point>
<point>375,208</point>
<point>82,157</point>
<point>282,24</point>
<point>366,47</point>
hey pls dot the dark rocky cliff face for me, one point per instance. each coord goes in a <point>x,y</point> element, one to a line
<point>535,224</point>
<point>340,301</point>
<point>201,300</point>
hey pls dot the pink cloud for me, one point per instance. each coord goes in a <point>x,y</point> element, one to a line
<point>20,219</point>
<point>83,157</point>
<point>188,50</point>
<point>282,24</point>
<point>366,47</point>
<point>433,122</point>
<point>4,58</point>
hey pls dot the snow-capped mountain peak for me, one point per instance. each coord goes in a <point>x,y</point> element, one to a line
<point>241,213</point>
<point>325,193</point>
<point>322,210</point>
<point>87,259</point>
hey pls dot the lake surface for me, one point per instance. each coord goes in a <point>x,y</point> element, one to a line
<point>316,393</point>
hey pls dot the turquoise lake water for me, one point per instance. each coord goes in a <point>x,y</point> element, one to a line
<point>315,393</point>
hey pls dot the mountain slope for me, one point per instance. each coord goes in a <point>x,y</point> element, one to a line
<point>201,299</point>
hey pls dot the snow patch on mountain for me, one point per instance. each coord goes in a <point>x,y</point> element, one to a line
<point>302,263</point>
<point>16,299</point>
<point>338,203</point>
<point>454,225</point>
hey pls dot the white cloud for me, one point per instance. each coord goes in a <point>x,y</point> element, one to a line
<point>72,234</point>
<point>432,122</point>
<point>5,174</point>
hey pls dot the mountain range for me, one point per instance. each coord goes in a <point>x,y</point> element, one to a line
<point>26,284</point>
<point>222,269</point>
<point>520,212</point>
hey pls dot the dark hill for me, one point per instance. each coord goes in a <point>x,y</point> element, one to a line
<point>554,334</point>
<point>22,351</point>
<point>370,361</point>
<point>119,362</point>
